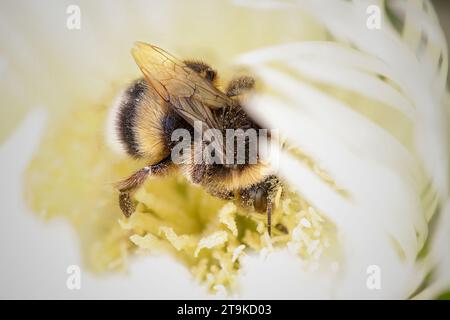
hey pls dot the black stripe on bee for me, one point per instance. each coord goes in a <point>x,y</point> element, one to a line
<point>127,116</point>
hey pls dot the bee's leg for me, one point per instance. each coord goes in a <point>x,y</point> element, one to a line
<point>222,194</point>
<point>273,189</point>
<point>129,185</point>
<point>240,85</point>
<point>269,218</point>
<point>263,197</point>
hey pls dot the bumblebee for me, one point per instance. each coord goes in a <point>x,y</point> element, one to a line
<point>175,94</point>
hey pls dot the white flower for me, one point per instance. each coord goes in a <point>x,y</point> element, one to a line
<point>368,107</point>
<point>387,145</point>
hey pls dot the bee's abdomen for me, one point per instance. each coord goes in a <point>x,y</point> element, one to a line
<point>126,118</point>
<point>137,123</point>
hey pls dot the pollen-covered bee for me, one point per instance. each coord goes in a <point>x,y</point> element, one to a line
<point>177,95</point>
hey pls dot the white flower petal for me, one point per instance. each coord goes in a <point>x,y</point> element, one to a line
<point>384,221</point>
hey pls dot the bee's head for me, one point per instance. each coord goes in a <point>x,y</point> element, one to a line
<point>204,70</point>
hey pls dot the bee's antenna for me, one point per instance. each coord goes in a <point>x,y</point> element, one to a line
<point>269,219</point>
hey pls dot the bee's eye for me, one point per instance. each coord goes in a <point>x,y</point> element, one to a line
<point>260,201</point>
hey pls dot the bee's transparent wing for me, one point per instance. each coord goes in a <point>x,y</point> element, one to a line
<point>192,96</point>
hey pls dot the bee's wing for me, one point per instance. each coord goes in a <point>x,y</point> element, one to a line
<point>192,96</point>
<point>193,110</point>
